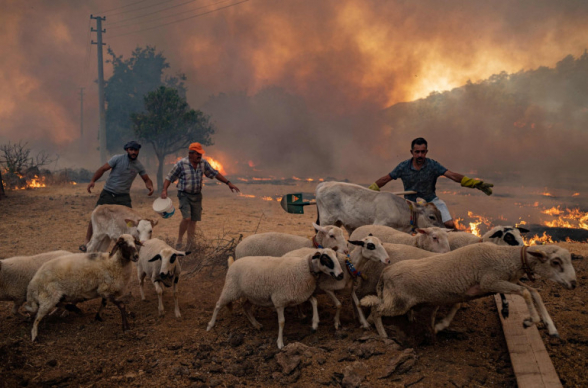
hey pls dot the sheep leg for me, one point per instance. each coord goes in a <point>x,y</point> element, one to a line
<point>222,301</point>
<point>444,323</point>
<point>505,287</point>
<point>377,318</point>
<point>361,317</point>
<point>504,311</point>
<point>315,315</point>
<point>141,275</point>
<point>247,309</point>
<point>44,309</point>
<point>177,306</point>
<point>123,313</point>
<point>159,291</point>
<point>337,306</point>
<point>98,317</point>
<point>545,317</point>
<point>281,323</point>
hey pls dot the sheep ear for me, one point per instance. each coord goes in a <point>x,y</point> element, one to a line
<point>538,255</point>
<point>497,234</point>
<point>523,230</point>
<point>155,258</point>
<point>319,228</point>
<point>371,234</point>
<point>187,253</point>
<point>359,243</point>
<point>130,223</point>
<point>423,231</point>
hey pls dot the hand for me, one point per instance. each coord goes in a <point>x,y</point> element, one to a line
<point>477,184</point>
<point>150,188</point>
<point>485,187</point>
<point>164,194</point>
<point>90,187</point>
<point>374,187</point>
<point>234,188</point>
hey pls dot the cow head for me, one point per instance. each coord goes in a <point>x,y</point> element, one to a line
<point>427,214</point>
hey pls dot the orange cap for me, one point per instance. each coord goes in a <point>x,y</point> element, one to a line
<point>197,147</point>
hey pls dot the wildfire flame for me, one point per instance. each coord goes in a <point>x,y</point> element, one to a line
<point>536,240</point>
<point>568,218</point>
<point>575,194</point>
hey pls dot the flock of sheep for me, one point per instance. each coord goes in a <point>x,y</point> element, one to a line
<point>379,267</point>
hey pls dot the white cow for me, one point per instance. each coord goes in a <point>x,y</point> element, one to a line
<point>352,206</point>
<point>109,222</point>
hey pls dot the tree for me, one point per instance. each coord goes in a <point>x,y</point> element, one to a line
<point>169,125</point>
<point>19,164</point>
<point>131,80</point>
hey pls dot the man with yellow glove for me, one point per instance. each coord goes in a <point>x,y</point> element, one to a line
<point>420,174</point>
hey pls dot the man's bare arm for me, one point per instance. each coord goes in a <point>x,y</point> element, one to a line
<point>148,183</point>
<point>383,180</point>
<point>454,176</point>
<point>97,175</point>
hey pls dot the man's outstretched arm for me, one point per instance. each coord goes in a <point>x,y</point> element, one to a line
<point>470,182</point>
<point>380,183</point>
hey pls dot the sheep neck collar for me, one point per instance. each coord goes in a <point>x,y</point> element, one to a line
<point>315,243</point>
<point>311,268</point>
<point>525,263</point>
<point>413,216</point>
<point>353,271</point>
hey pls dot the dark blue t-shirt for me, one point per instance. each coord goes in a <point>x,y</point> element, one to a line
<point>422,181</point>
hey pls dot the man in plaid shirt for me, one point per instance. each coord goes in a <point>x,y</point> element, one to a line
<point>189,171</point>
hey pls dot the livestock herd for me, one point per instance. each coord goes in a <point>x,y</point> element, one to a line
<point>381,267</point>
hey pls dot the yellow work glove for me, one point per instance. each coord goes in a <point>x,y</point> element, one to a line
<point>477,184</point>
<point>374,187</point>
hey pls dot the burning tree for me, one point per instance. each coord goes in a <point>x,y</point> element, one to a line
<point>20,165</point>
<point>169,125</point>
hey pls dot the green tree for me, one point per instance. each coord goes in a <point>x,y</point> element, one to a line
<point>131,80</point>
<point>169,125</point>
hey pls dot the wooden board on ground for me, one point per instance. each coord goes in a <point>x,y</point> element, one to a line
<point>531,363</point>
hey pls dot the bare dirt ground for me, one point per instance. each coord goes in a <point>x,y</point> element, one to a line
<point>77,351</point>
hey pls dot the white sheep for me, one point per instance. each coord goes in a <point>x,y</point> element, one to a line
<point>370,250</point>
<point>275,282</point>
<point>278,244</point>
<point>160,263</point>
<point>469,273</point>
<point>431,239</point>
<point>16,274</point>
<point>109,222</point>
<point>79,277</point>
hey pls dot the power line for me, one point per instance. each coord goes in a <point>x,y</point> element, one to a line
<point>139,9</point>
<point>179,20</point>
<point>124,6</point>
<point>151,13</point>
<point>168,16</point>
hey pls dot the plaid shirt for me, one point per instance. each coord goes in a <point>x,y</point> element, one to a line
<point>190,177</point>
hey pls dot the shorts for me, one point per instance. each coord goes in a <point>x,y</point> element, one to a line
<point>190,205</point>
<point>108,198</point>
<point>445,216</point>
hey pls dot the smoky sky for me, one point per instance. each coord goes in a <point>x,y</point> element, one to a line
<point>297,87</point>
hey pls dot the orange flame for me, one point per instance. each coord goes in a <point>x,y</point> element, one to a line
<point>215,164</point>
<point>575,194</point>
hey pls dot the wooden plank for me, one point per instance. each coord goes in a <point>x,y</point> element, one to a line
<point>531,363</point>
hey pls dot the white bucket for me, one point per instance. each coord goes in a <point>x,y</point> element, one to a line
<point>164,207</point>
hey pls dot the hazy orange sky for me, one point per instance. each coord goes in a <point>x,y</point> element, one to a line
<point>338,57</point>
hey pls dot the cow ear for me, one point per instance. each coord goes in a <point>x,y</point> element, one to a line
<point>130,223</point>
<point>498,234</point>
<point>421,201</point>
<point>153,222</point>
<point>523,230</point>
<point>155,258</point>
<point>358,243</point>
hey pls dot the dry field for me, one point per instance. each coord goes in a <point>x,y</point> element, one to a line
<point>77,351</point>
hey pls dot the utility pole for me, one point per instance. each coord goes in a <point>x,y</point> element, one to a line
<point>102,132</point>
<point>81,114</point>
